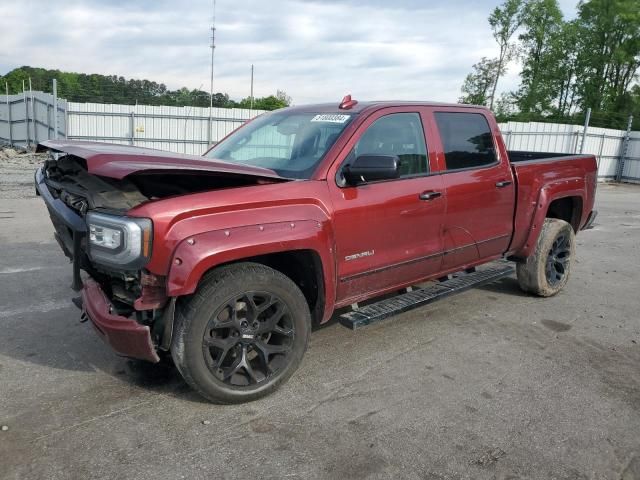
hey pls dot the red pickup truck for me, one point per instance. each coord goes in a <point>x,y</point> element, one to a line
<point>226,261</point>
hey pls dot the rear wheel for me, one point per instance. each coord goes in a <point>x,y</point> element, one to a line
<point>547,270</point>
<point>242,334</point>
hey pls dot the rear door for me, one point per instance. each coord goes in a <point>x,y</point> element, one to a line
<point>479,188</point>
<point>387,233</point>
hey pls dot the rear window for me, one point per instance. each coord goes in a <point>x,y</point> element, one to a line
<point>466,139</point>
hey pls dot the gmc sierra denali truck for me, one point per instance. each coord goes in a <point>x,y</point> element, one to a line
<point>226,261</point>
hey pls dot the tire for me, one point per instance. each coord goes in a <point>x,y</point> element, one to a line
<point>242,334</point>
<point>547,270</point>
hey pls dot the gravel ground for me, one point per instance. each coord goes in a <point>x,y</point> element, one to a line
<point>489,384</point>
<point>16,173</point>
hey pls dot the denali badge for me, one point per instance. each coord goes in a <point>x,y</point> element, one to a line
<point>355,256</point>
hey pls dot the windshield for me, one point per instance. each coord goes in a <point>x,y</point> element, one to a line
<point>291,144</point>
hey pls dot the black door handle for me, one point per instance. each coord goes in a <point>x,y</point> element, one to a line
<point>503,183</point>
<point>430,195</point>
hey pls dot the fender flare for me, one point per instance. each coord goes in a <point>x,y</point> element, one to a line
<point>197,254</point>
<point>574,187</point>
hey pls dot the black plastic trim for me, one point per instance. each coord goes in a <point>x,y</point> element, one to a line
<point>69,218</point>
<point>383,309</point>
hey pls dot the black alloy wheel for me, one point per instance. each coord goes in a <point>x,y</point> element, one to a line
<point>242,334</point>
<point>558,260</point>
<point>248,339</point>
<point>546,271</point>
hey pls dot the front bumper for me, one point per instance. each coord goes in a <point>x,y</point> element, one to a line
<point>70,228</point>
<point>126,336</point>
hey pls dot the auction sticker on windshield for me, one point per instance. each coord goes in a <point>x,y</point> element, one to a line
<point>331,117</point>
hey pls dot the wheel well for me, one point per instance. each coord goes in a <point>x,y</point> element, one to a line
<point>304,267</point>
<point>568,209</point>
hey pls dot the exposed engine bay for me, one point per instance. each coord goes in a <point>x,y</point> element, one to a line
<point>68,179</point>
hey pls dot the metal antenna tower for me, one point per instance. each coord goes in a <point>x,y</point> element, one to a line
<point>251,107</point>
<point>213,49</point>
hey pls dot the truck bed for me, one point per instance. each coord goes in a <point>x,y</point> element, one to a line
<point>539,174</point>
<point>522,156</point>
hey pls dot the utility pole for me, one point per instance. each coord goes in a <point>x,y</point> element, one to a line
<point>26,114</point>
<point>251,96</point>
<point>55,109</point>
<point>586,129</point>
<point>213,49</point>
<point>6,85</point>
<point>33,114</point>
<point>624,150</point>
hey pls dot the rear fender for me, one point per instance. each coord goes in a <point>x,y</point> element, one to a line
<point>573,187</point>
<point>197,254</point>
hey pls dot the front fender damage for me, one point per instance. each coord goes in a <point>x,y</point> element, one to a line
<point>195,255</point>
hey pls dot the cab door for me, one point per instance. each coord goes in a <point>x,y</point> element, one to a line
<point>387,233</point>
<point>478,184</point>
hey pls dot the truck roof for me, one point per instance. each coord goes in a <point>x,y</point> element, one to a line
<point>360,106</point>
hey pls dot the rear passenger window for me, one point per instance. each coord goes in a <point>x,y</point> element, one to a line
<point>466,139</point>
<point>398,134</point>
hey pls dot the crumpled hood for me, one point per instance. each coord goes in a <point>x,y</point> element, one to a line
<point>118,161</point>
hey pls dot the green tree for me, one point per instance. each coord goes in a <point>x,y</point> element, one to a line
<point>477,86</point>
<point>80,87</point>
<point>283,97</point>
<point>270,102</point>
<point>567,52</point>
<point>542,26</point>
<point>567,67</point>
<point>504,21</point>
<point>611,30</point>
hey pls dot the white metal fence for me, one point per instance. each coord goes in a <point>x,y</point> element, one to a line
<point>175,129</point>
<point>617,151</point>
<point>28,118</point>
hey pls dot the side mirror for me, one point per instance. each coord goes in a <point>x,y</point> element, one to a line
<point>369,168</point>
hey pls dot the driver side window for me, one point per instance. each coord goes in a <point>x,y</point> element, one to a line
<point>399,134</point>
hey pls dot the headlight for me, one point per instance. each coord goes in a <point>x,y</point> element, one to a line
<point>105,237</point>
<point>122,242</point>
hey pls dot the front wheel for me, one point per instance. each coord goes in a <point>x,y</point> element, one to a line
<point>547,270</point>
<point>242,334</point>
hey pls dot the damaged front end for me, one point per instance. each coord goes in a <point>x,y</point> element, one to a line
<point>89,188</point>
<point>125,303</point>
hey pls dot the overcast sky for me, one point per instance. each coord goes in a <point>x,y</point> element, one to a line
<point>314,50</point>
